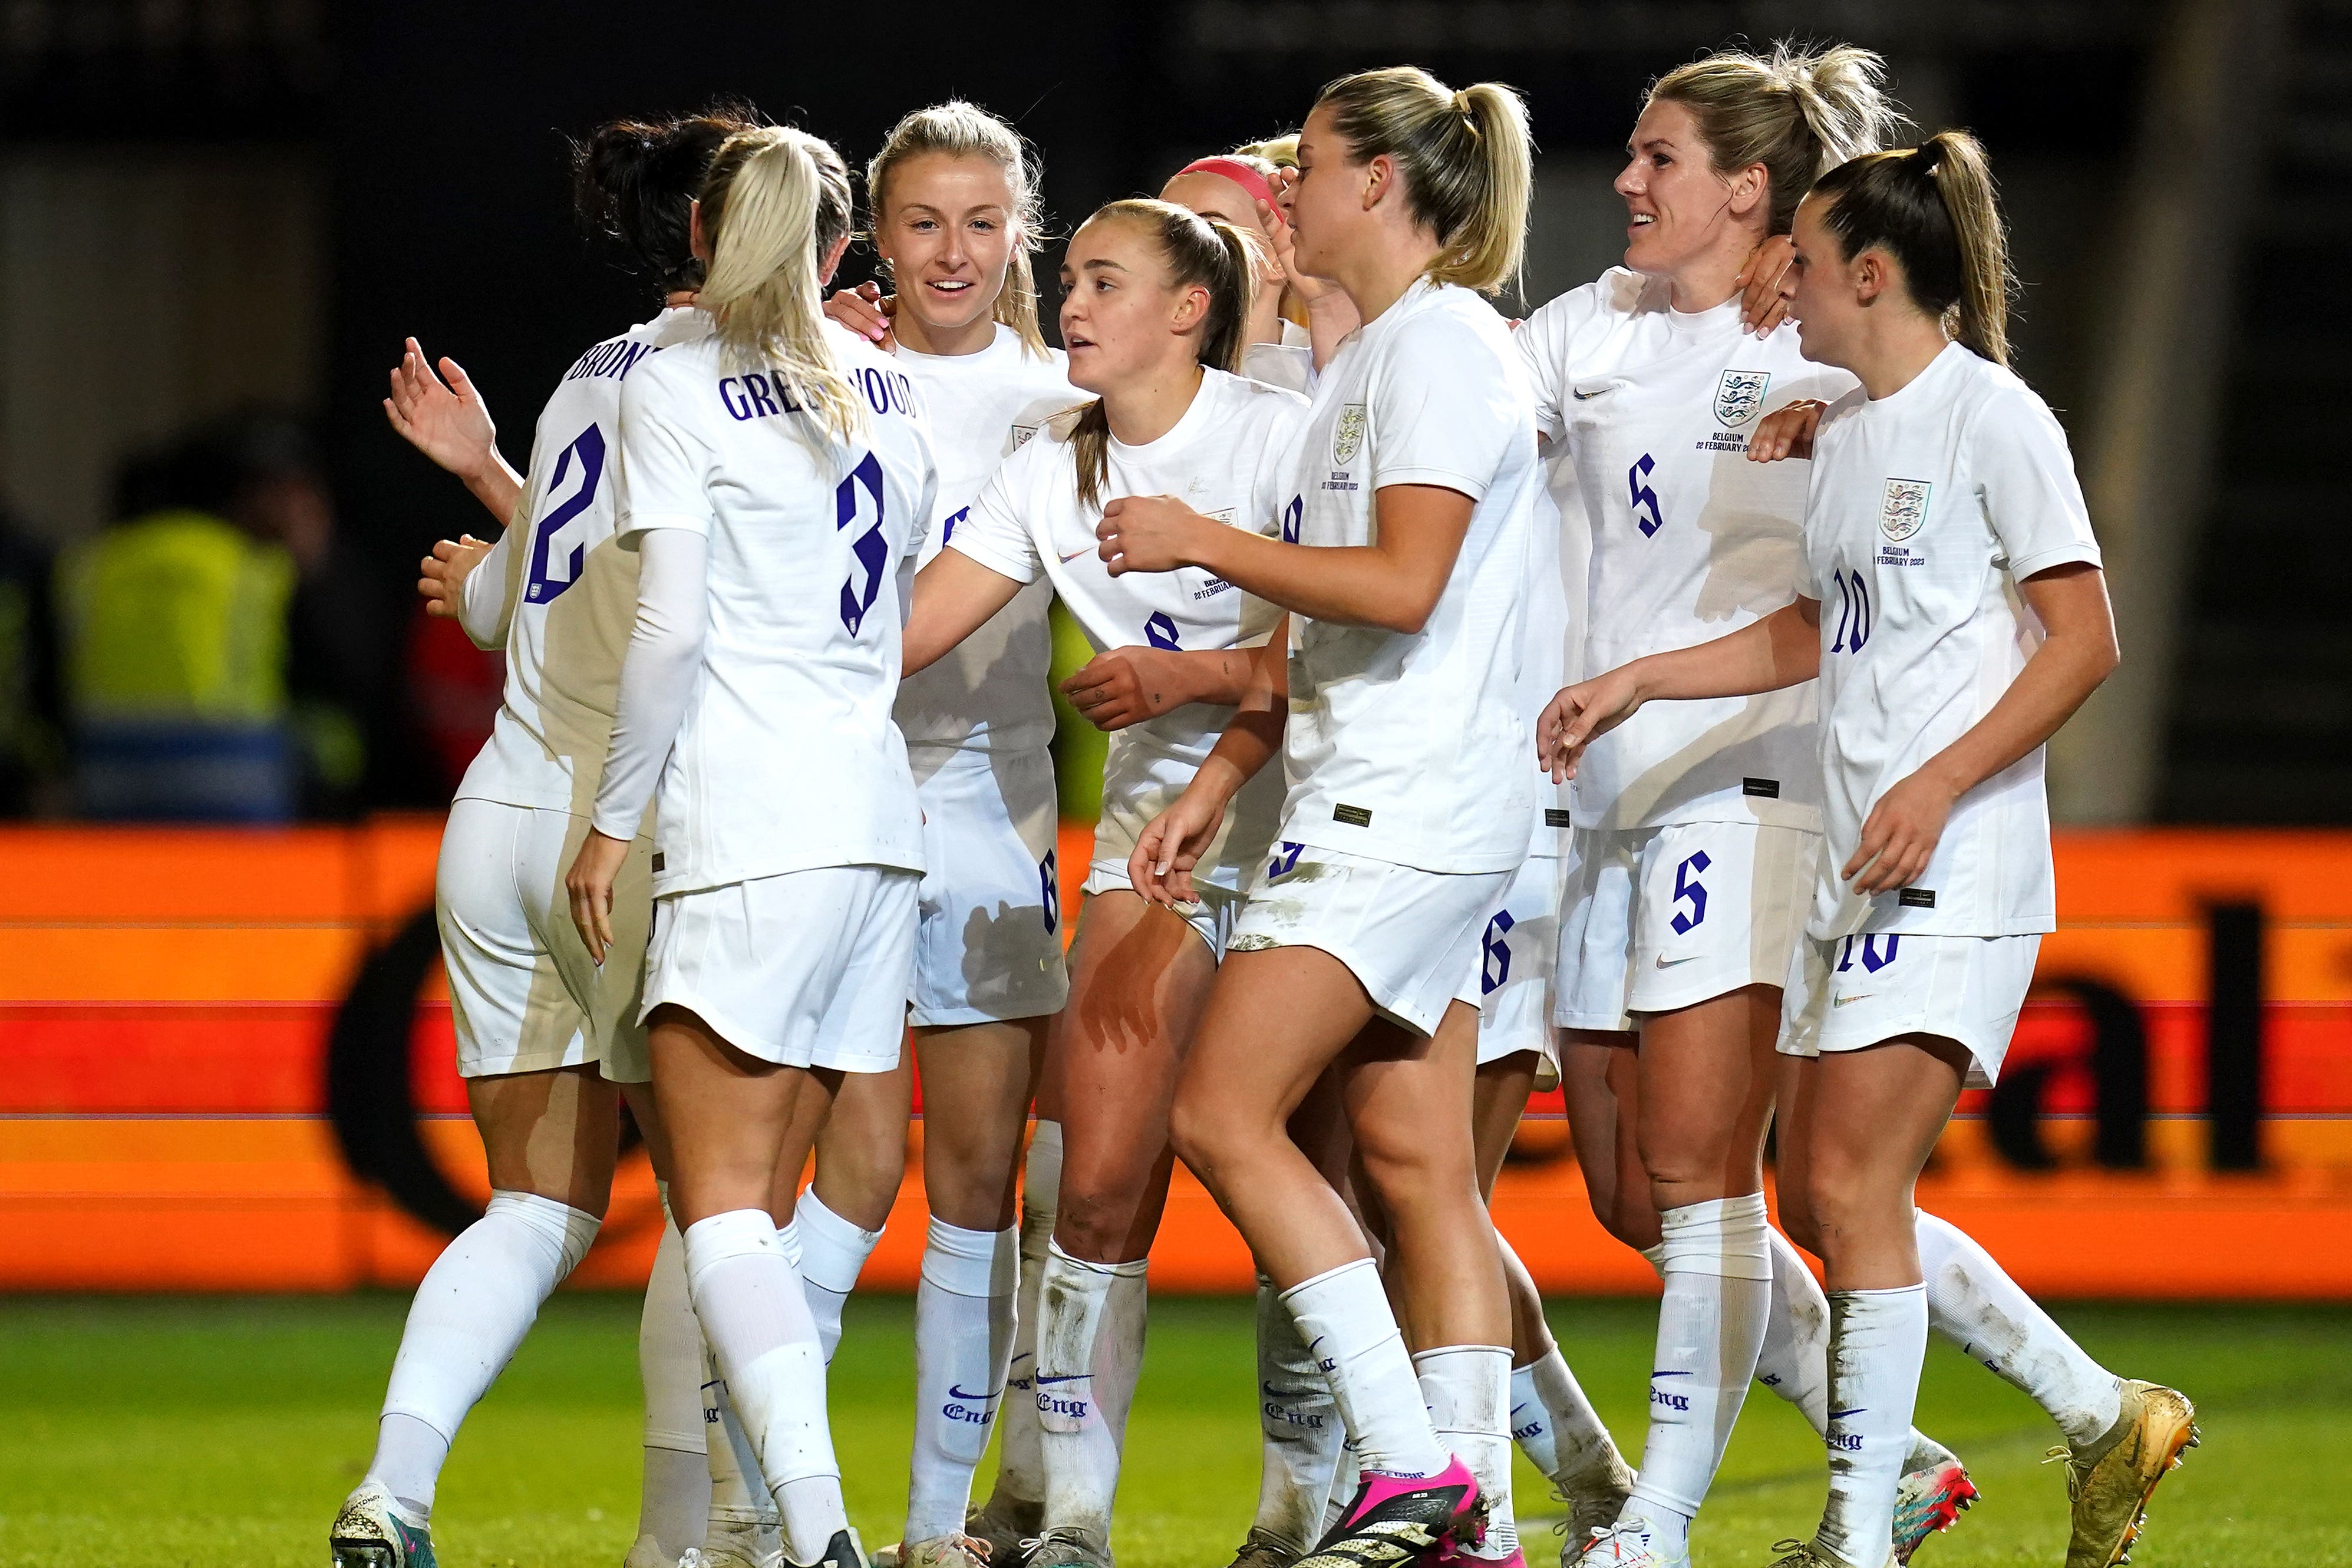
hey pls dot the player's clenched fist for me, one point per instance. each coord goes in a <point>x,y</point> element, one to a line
<point>1148,533</point>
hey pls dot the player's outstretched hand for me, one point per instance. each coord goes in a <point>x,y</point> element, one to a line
<point>1786,431</point>
<point>1576,713</point>
<point>867,311</point>
<point>590,886</point>
<point>1127,685</point>
<point>1762,304</point>
<point>1160,868</point>
<point>1148,533</point>
<point>441,579</point>
<point>1900,834</point>
<point>446,420</point>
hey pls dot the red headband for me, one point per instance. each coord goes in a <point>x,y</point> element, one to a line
<point>1239,172</point>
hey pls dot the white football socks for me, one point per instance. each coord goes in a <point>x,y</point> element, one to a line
<point>833,1252</point>
<point>1343,1316</point>
<point>1090,1334</point>
<point>1298,1429</point>
<point>1717,1268</point>
<point>963,1337</point>
<point>1020,1462</point>
<point>1555,1424</point>
<point>1467,1391</point>
<point>1973,1303</point>
<point>1344,1482</point>
<point>1795,1363</point>
<point>475,1303</point>
<point>676,1496</point>
<point>758,1322</point>
<point>1877,1341</point>
<point>735,1502</point>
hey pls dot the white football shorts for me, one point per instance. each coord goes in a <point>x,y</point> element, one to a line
<point>808,968</point>
<point>1210,917</point>
<point>1659,918</point>
<point>989,943</point>
<point>1858,991</point>
<point>1408,935</point>
<point>524,994</point>
<point>1519,951</point>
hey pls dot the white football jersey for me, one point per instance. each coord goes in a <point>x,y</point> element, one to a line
<point>1544,631</point>
<point>990,692</point>
<point>1416,748</point>
<point>573,590</point>
<point>1229,457</point>
<point>1928,506</point>
<point>1690,542</point>
<point>1288,363</point>
<point>787,757</point>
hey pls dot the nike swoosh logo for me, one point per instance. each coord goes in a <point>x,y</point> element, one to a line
<point>1858,1410</point>
<point>1069,1377</point>
<point>1085,550</point>
<point>1311,1343</point>
<point>1025,1356</point>
<point>955,1393</point>
<point>1274,1392</point>
<point>1671,1375</point>
<point>1517,1409</point>
<point>1666,963</point>
<point>1586,396</point>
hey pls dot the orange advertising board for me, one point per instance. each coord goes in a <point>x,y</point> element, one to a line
<point>2176,1118</point>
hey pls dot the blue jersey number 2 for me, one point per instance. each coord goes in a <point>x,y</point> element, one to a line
<point>542,584</point>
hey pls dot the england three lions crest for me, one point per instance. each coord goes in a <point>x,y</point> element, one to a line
<point>1348,438</point>
<point>1739,394</point>
<point>1903,508</point>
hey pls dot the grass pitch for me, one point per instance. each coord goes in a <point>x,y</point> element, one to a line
<point>222,1433</point>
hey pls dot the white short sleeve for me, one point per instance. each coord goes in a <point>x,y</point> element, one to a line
<point>1442,412</point>
<point>665,465</point>
<point>2026,483</point>
<point>993,532</point>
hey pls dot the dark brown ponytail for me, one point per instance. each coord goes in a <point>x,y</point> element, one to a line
<point>1933,208</point>
<point>634,182</point>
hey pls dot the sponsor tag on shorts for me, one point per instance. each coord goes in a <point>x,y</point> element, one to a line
<point>1765,789</point>
<point>1916,898</point>
<point>1354,816</point>
<point>659,861</point>
<point>1555,818</point>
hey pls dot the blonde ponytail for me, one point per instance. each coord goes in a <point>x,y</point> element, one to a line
<point>1933,209</point>
<point>962,130</point>
<point>1798,112</point>
<point>776,199</point>
<point>1466,159</point>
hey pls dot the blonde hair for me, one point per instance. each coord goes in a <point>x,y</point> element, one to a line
<point>962,130</point>
<point>1933,208</point>
<point>1196,249</point>
<point>1468,161</point>
<point>1275,151</point>
<point>1798,112</point>
<point>775,201</point>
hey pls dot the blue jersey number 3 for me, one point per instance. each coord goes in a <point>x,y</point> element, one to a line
<point>869,548</point>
